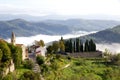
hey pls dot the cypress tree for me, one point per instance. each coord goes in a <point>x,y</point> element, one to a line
<point>77,45</point>
<point>81,46</point>
<point>67,48</point>
<point>74,46</point>
<point>71,46</point>
<point>92,46</point>
<point>86,46</point>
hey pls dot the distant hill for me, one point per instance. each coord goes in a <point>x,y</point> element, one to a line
<point>111,35</point>
<point>85,25</point>
<point>25,28</point>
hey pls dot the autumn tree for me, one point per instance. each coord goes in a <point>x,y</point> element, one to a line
<point>41,43</point>
<point>62,44</point>
<point>55,46</point>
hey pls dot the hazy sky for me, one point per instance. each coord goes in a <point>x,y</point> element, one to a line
<point>60,7</point>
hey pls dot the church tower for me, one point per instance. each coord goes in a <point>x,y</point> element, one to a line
<point>13,39</point>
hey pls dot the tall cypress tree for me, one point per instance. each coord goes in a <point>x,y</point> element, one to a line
<point>71,46</point>
<point>81,46</point>
<point>67,48</point>
<point>92,46</point>
<point>77,45</point>
<point>74,46</point>
<point>86,46</point>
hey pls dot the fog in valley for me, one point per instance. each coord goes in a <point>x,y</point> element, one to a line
<point>113,47</point>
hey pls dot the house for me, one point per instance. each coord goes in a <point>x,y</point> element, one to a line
<point>40,51</point>
<point>24,48</point>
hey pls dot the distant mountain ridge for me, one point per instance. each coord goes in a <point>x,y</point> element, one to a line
<point>85,25</point>
<point>111,35</point>
<point>25,28</point>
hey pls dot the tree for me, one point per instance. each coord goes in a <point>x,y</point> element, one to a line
<point>41,43</point>
<point>74,46</point>
<point>67,48</point>
<point>6,51</point>
<point>16,54</point>
<point>55,46</point>
<point>40,59</point>
<point>81,46</point>
<point>61,45</point>
<point>71,46</point>
<point>1,54</point>
<point>30,75</point>
<point>86,46</point>
<point>77,45</point>
<point>28,64</point>
<point>49,49</point>
<point>92,46</point>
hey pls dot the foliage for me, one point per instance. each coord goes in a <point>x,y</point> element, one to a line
<point>10,76</point>
<point>76,45</point>
<point>40,59</point>
<point>55,46</point>
<point>1,54</point>
<point>41,43</point>
<point>115,59</point>
<point>29,75</point>
<point>5,53</point>
<point>49,49</point>
<point>86,46</point>
<point>16,54</point>
<point>62,45</point>
<point>28,64</point>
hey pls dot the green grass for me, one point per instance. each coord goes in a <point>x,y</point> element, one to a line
<point>20,71</point>
<point>83,69</point>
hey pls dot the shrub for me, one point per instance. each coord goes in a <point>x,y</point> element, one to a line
<point>30,75</point>
<point>28,64</point>
<point>40,60</point>
<point>115,59</point>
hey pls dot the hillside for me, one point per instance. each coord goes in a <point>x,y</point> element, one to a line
<point>85,25</point>
<point>111,35</point>
<point>25,28</point>
<point>51,27</point>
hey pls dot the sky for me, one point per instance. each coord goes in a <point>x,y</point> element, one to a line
<point>60,7</point>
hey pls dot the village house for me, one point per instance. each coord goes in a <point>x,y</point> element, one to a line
<point>40,51</point>
<point>37,50</point>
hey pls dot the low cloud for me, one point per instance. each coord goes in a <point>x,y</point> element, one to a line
<point>113,47</point>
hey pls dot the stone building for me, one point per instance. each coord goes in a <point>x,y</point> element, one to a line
<point>24,48</point>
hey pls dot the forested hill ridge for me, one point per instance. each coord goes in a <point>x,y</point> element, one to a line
<point>85,25</point>
<point>52,27</point>
<point>25,28</point>
<point>111,35</point>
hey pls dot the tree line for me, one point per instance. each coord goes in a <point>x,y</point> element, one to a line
<point>72,46</point>
<point>77,45</point>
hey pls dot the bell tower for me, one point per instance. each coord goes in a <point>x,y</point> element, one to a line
<point>13,39</point>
